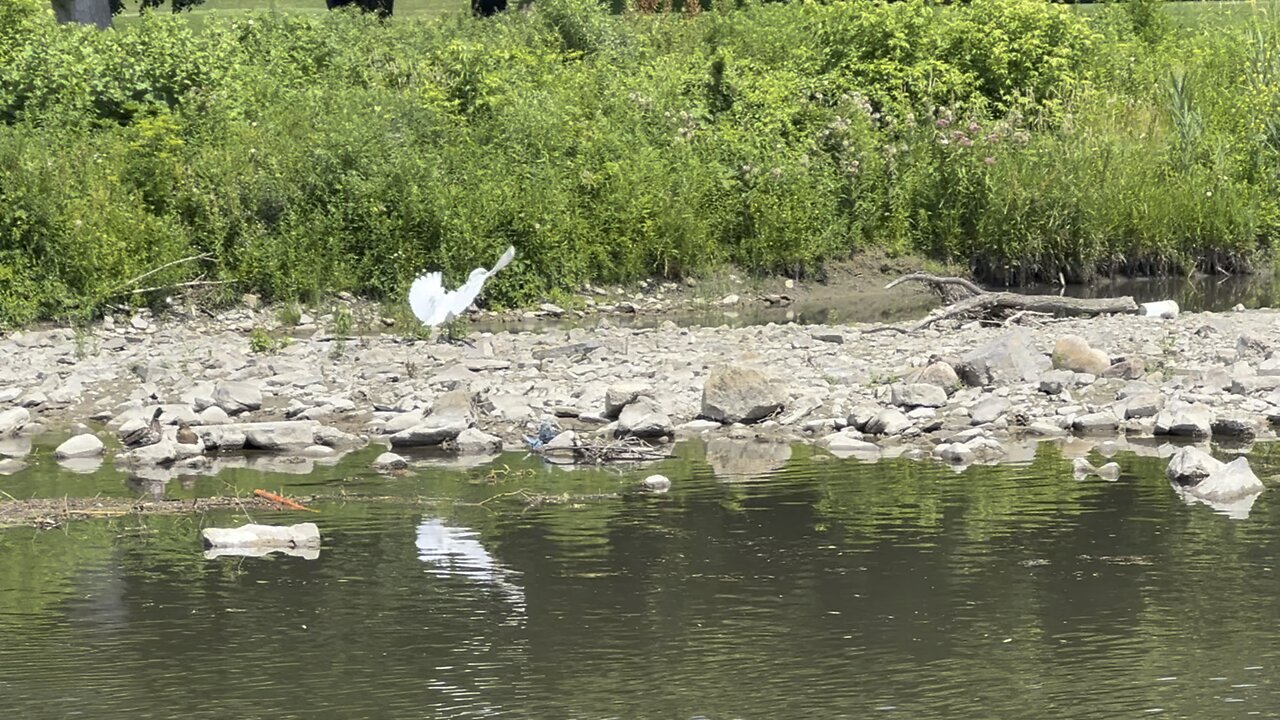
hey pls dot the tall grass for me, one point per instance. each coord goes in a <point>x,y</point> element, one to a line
<point>303,155</point>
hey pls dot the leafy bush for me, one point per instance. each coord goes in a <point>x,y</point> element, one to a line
<point>298,156</point>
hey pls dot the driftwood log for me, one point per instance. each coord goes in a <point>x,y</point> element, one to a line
<point>968,301</point>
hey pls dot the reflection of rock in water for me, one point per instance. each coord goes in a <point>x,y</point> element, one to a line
<point>1236,509</point>
<point>149,486</point>
<point>743,460</point>
<point>456,552</point>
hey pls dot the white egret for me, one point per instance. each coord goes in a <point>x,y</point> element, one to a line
<point>434,306</point>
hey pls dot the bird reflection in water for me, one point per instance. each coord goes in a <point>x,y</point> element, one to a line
<point>456,552</point>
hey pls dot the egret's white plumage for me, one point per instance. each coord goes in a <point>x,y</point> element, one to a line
<point>433,305</point>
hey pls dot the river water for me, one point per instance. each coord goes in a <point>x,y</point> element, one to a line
<point>768,583</point>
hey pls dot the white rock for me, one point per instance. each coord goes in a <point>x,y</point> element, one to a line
<point>388,461</point>
<point>79,446</point>
<point>1228,482</point>
<point>13,420</point>
<point>656,483</point>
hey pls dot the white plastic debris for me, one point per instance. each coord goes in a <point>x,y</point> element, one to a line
<point>302,535</point>
<point>1163,309</point>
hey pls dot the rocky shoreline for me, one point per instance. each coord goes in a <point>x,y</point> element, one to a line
<point>973,393</point>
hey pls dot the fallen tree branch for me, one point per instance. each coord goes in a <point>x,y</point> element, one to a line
<point>1005,307</point>
<point>192,283</point>
<point>937,281</point>
<point>134,281</point>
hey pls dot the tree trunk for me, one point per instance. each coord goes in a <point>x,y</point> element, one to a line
<point>88,12</point>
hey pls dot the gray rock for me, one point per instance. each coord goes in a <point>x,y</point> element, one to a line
<point>509,407</point>
<point>1143,405</point>
<point>389,461</point>
<point>11,466</point>
<point>827,336</point>
<point>1098,422</point>
<point>889,421</point>
<point>1054,382</point>
<point>1073,353</point>
<point>13,420</point>
<point>954,453</point>
<point>845,444</point>
<point>1190,465</point>
<point>159,453</point>
<point>1248,385</point>
<point>619,394</point>
<point>237,397</point>
<point>988,409</point>
<point>733,393</point>
<point>862,415</point>
<point>644,418</point>
<point>317,452</point>
<point>332,437</point>
<point>455,377</point>
<point>429,433</point>
<point>473,441</point>
<point>1228,482</point>
<point>1243,427</point>
<point>1130,367</point>
<point>403,421</point>
<point>570,350</point>
<point>935,373</point>
<point>79,446</point>
<point>567,439</point>
<point>1008,359</point>
<point>8,395</point>
<point>1185,419</point>
<point>453,406</point>
<point>918,395</point>
<point>1250,346</point>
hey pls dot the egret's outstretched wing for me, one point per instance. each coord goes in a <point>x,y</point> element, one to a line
<point>427,299</point>
<point>505,260</point>
<point>466,294</point>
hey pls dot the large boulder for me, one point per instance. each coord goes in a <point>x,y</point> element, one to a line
<point>733,393</point>
<point>1229,482</point>
<point>237,397</point>
<point>1208,479</point>
<point>1073,353</point>
<point>644,418</point>
<point>1011,358</point>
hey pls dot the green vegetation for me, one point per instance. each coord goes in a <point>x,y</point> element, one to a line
<point>295,156</point>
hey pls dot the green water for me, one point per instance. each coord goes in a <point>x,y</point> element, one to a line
<point>786,585</point>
